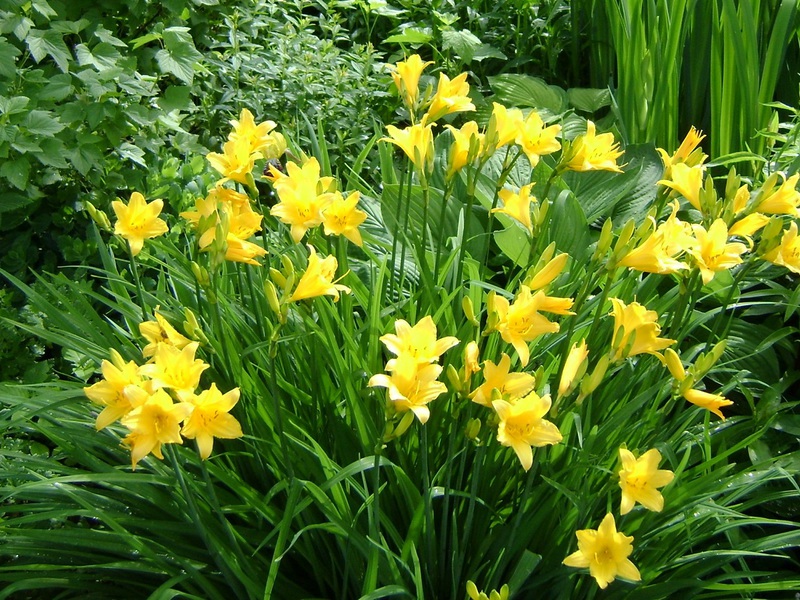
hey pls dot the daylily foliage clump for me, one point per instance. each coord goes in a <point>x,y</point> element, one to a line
<point>450,376</point>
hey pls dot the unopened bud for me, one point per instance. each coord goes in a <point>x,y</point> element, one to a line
<point>277,277</point>
<point>604,241</point>
<point>674,364</point>
<point>98,216</point>
<point>473,429</point>
<point>272,297</point>
<point>288,266</point>
<point>453,378</point>
<point>200,274</point>
<point>469,310</point>
<point>589,384</point>
<point>192,327</point>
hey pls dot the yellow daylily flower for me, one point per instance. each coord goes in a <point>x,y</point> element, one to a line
<point>110,392</point>
<point>640,479</point>
<point>740,199</point>
<point>303,195</point>
<point>259,138</point>
<point>496,377</point>
<point>412,385</point>
<point>639,330</point>
<point>517,205</point>
<point>504,125</point>
<point>787,253</point>
<point>138,220</point>
<point>748,225</point>
<point>176,369</point>
<point>318,279</point>
<point>160,332</point>
<point>341,217</point>
<point>784,200</point>
<point>467,144</point>
<point>687,181</point>
<point>593,152</point>
<point>451,96</point>
<point>405,75</point>
<point>155,422</point>
<point>685,152</point>
<point>576,360</point>
<point>240,250</point>
<point>520,322</point>
<point>419,342</point>
<point>713,253</point>
<point>545,276</point>
<point>521,426</point>
<point>712,402</point>
<point>416,141</point>
<point>652,256</point>
<point>209,418</point>
<point>605,552</point>
<point>236,161</point>
<point>536,140</point>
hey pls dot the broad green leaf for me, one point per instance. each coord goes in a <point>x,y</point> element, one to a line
<point>526,91</point>
<point>48,43</point>
<point>176,97</point>
<point>40,122</point>
<point>145,39</point>
<point>16,172</point>
<point>43,8</point>
<point>53,153</point>
<point>103,56</point>
<point>589,99</point>
<point>104,35</point>
<point>57,88</point>
<point>132,153</point>
<point>488,51</point>
<point>13,201</point>
<point>464,43</point>
<point>13,105</point>
<point>8,58</point>
<point>179,55</point>
<point>411,36</point>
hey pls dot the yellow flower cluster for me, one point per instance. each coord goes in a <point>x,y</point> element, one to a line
<point>413,373</point>
<point>158,401</point>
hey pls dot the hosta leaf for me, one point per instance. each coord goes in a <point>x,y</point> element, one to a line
<point>526,91</point>
<point>589,99</point>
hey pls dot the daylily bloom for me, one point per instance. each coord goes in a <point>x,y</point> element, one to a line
<point>740,199</point>
<point>471,364</point>
<point>451,96</point>
<point>713,252</point>
<point>259,138</point>
<point>687,181</point>
<point>303,195</point>
<point>536,140</point>
<point>318,279</point>
<point>575,360</point>
<point>497,377</point>
<point>656,254</point>
<point>416,141</point>
<point>787,254</point>
<point>712,402</point>
<point>522,426</point>
<point>412,385</point>
<point>685,153</point>
<point>236,161</point>
<point>545,276</point>
<point>517,205</point>
<point>605,551</point>
<point>467,144</point>
<point>160,332</point>
<point>520,322</point>
<point>418,342</point>
<point>176,369</point>
<point>504,125</point>
<point>153,423</point>
<point>639,330</point>
<point>110,392</point>
<point>209,418</point>
<point>240,250</point>
<point>749,225</point>
<point>406,76</point>
<point>640,479</point>
<point>593,152</point>
<point>138,221</point>
<point>784,200</point>
<point>341,217</point>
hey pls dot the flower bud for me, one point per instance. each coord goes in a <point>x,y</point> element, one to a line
<point>469,310</point>
<point>272,297</point>
<point>674,364</point>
